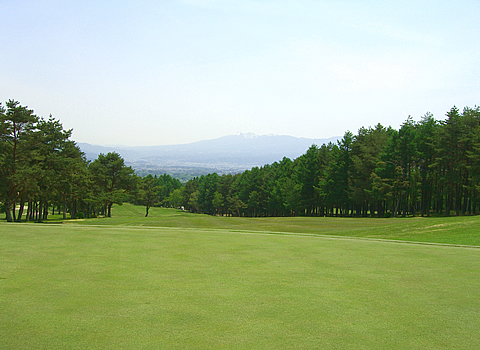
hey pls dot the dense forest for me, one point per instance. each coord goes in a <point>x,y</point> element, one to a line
<point>424,168</point>
<point>427,167</point>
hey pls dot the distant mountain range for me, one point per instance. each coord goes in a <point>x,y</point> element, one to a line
<point>228,154</point>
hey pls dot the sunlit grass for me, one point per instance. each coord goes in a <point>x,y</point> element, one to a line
<point>177,280</point>
<point>461,230</point>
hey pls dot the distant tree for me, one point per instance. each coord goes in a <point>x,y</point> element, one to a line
<point>307,170</point>
<point>390,179</point>
<point>112,179</point>
<point>193,201</point>
<point>224,190</point>
<point>167,185</point>
<point>149,192</point>
<point>345,170</point>
<point>17,130</point>
<point>176,198</point>
<point>254,202</point>
<point>191,195</point>
<point>427,130</point>
<point>366,149</point>
<point>449,157</point>
<point>236,205</point>
<point>472,154</point>
<point>56,159</point>
<point>218,202</point>
<point>207,186</point>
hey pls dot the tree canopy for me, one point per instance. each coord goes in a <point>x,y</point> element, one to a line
<point>426,167</point>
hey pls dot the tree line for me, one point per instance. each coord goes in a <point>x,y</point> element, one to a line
<point>427,167</point>
<point>42,171</point>
<point>424,168</point>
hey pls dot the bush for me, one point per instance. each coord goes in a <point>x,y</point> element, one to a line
<point>80,215</point>
<point>387,215</point>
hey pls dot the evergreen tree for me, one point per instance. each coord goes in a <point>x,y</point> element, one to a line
<point>307,170</point>
<point>17,131</point>
<point>112,178</point>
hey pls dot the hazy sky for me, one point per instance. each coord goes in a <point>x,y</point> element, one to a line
<point>168,72</point>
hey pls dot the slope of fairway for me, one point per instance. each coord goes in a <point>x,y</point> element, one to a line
<point>128,287</point>
<point>458,230</point>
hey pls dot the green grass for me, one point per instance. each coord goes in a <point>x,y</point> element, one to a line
<point>458,230</point>
<point>180,281</point>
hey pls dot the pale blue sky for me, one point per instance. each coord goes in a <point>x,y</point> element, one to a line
<point>169,72</point>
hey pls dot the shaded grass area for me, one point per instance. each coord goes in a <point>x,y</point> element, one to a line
<point>105,287</point>
<point>461,230</point>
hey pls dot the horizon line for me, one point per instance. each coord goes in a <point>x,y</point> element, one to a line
<point>246,134</point>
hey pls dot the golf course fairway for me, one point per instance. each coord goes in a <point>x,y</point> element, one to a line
<point>87,286</point>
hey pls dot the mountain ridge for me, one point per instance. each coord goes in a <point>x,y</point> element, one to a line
<point>226,154</point>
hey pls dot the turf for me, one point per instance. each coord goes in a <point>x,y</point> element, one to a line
<point>457,230</point>
<point>115,283</point>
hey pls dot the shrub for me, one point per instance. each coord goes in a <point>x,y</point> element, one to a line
<point>80,215</point>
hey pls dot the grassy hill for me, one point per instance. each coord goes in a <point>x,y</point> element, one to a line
<point>460,230</point>
<point>176,280</point>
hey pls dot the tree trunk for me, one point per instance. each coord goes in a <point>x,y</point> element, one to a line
<point>8,212</point>
<point>448,204</point>
<point>20,209</point>
<point>14,214</point>
<point>396,207</point>
<point>40,211</point>
<point>45,211</point>
<point>64,206</point>
<point>30,210</point>
<point>29,207</point>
